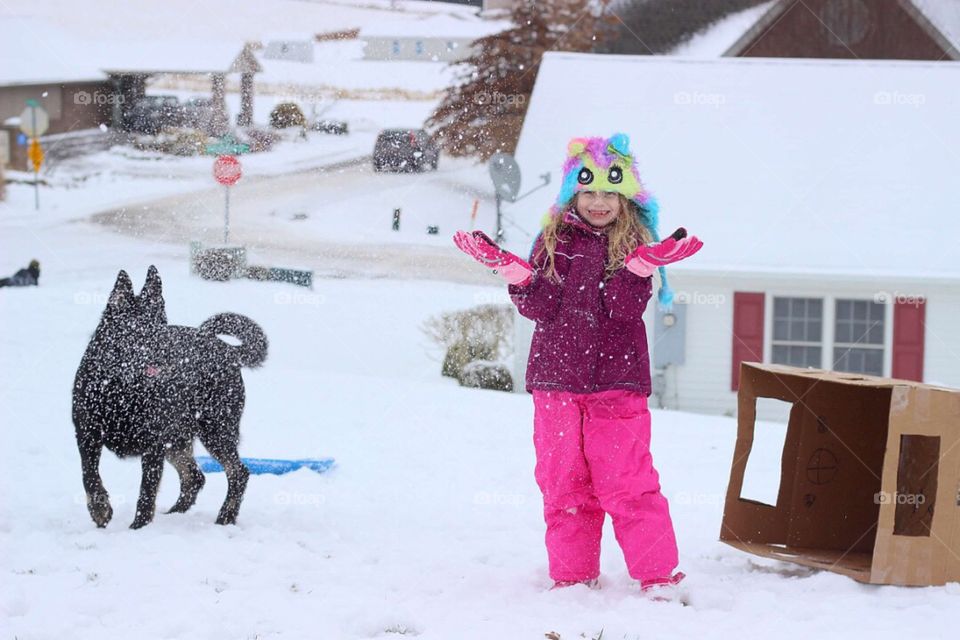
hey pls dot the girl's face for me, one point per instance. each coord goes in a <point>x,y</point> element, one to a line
<point>599,208</point>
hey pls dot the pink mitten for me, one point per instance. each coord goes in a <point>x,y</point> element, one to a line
<point>645,259</point>
<point>481,248</point>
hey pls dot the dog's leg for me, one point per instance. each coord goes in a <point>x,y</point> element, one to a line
<point>151,464</point>
<point>191,478</point>
<point>224,449</point>
<point>98,500</point>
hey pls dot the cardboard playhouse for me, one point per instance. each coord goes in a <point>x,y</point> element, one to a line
<point>870,476</point>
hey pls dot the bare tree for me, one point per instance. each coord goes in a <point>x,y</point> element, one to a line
<point>482,113</point>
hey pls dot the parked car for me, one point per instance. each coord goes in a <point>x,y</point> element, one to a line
<point>405,150</point>
<point>150,114</point>
<point>336,127</point>
<point>197,113</point>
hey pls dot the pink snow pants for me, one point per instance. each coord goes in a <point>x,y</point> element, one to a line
<point>593,457</point>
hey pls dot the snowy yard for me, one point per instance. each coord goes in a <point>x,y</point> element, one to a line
<point>429,526</point>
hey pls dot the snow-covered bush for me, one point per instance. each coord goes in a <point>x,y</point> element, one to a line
<point>483,333</point>
<point>484,374</point>
<point>287,114</point>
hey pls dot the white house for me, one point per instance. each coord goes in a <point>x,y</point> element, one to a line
<point>824,192</point>
<point>431,38</point>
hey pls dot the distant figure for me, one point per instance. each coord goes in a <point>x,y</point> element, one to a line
<point>24,277</point>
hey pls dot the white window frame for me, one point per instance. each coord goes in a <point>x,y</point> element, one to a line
<point>829,320</point>
<point>769,307</point>
<point>863,345</point>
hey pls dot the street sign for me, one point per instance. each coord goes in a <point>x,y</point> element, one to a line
<point>227,145</point>
<point>34,120</point>
<point>226,170</point>
<point>35,154</point>
<point>505,173</point>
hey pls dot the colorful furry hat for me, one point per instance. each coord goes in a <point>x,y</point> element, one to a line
<point>606,164</point>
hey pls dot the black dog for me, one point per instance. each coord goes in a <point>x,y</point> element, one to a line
<point>147,388</point>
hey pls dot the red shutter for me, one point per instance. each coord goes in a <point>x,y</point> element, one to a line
<point>747,332</point>
<point>908,332</point>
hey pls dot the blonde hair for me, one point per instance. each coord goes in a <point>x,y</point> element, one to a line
<point>624,234</point>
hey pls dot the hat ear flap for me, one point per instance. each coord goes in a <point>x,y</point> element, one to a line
<point>576,146</point>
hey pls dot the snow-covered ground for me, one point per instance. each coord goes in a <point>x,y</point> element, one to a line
<point>429,525</point>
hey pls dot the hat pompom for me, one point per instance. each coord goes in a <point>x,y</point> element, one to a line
<point>620,144</point>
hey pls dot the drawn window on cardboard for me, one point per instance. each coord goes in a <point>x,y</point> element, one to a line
<point>762,476</point>
<point>916,485</point>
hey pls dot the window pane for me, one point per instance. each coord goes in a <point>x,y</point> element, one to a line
<point>873,362</point>
<point>857,360</point>
<point>860,310</point>
<point>781,307</point>
<point>814,331</point>
<point>843,331</point>
<point>876,334</point>
<point>780,330</point>
<point>796,330</point>
<point>843,309</point>
<point>779,355</point>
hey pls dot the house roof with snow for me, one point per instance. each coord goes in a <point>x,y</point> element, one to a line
<point>785,166</point>
<point>940,19</point>
<point>166,56</point>
<point>36,52</point>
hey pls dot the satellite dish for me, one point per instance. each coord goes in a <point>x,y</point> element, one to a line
<point>505,173</point>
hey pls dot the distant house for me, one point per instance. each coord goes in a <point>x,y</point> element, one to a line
<point>294,48</point>
<point>75,93</point>
<point>85,88</point>
<point>435,38</point>
<point>824,191</point>
<point>854,29</point>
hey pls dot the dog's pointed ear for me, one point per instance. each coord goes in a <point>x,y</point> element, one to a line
<point>122,294</point>
<point>153,287</point>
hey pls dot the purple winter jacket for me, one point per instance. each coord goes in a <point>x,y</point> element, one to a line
<point>590,334</point>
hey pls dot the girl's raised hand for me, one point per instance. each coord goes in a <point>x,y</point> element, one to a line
<point>481,248</point>
<point>645,259</point>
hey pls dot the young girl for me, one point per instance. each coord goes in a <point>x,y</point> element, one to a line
<point>586,287</point>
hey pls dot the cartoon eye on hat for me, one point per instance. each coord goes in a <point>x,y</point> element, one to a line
<point>585,176</point>
<point>616,175</point>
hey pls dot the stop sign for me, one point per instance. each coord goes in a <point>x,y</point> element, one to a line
<point>226,169</point>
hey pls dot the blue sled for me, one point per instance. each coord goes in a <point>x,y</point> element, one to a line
<point>268,465</point>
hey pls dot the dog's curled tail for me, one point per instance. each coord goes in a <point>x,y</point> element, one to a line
<point>252,350</point>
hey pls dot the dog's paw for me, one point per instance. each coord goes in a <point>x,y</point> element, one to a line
<point>143,518</point>
<point>230,518</point>
<point>100,510</point>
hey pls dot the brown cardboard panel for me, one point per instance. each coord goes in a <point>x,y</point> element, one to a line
<point>853,564</point>
<point>920,411</point>
<point>747,520</point>
<point>839,463</point>
<point>853,444</point>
